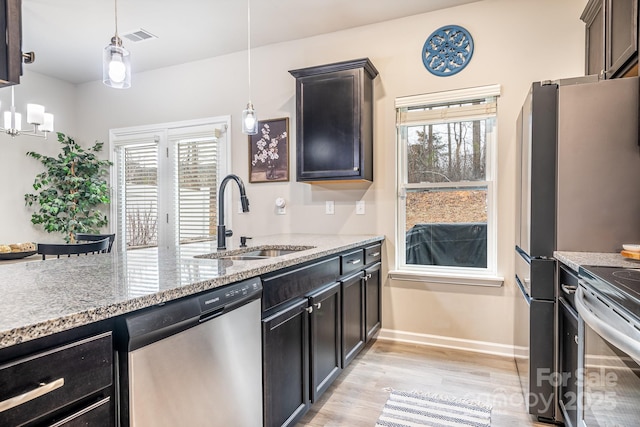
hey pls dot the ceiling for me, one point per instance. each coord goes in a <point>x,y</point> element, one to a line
<point>68,36</point>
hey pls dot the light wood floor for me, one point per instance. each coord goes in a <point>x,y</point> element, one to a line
<point>358,395</point>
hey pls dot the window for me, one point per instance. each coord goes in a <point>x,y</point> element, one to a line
<point>166,182</point>
<point>446,182</point>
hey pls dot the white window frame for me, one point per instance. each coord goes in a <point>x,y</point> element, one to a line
<point>447,274</point>
<point>165,134</point>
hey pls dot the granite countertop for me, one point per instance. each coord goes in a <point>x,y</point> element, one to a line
<point>575,259</point>
<point>40,298</point>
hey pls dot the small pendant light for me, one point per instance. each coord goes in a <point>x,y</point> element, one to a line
<point>249,117</point>
<point>116,62</point>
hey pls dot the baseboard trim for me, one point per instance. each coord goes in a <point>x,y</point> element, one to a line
<point>447,342</point>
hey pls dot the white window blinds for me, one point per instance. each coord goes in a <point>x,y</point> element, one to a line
<point>137,164</point>
<point>197,178</point>
<point>166,186</point>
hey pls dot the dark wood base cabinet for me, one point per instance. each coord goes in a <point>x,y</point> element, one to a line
<point>316,320</point>
<point>65,385</point>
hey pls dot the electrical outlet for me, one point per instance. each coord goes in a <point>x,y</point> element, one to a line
<point>329,208</point>
<point>360,207</point>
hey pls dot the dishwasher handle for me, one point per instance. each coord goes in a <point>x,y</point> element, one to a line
<point>211,315</point>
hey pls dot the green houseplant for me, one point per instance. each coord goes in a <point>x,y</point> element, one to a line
<point>70,190</point>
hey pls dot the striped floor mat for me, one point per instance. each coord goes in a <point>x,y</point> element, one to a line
<point>435,410</point>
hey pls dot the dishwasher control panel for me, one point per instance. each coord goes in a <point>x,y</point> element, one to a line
<point>229,294</point>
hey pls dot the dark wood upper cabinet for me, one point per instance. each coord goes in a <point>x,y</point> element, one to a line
<point>611,38</point>
<point>11,49</point>
<point>334,121</point>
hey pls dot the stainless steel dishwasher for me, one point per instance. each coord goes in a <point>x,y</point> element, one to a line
<point>196,361</point>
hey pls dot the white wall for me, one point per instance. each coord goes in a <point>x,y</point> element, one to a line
<point>516,42</point>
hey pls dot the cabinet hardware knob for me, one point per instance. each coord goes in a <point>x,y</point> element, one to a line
<point>41,390</point>
<point>575,338</point>
<point>309,309</point>
<point>318,305</point>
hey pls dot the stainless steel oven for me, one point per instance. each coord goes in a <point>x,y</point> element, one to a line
<point>609,351</point>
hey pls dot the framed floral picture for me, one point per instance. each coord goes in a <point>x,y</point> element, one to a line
<point>269,151</point>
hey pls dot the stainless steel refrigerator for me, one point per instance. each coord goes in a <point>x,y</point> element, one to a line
<point>578,190</point>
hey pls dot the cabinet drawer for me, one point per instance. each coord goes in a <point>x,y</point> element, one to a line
<point>39,384</point>
<point>351,261</point>
<point>372,254</point>
<point>281,287</point>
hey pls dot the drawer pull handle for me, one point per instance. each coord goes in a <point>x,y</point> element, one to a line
<point>42,389</point>
<point>569,289</point>
<point>374,254</point>
<point>354,261</point>
<point>575,338</point>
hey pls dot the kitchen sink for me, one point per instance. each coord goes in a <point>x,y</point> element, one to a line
<point>256,253</point>
<point>270,253</point>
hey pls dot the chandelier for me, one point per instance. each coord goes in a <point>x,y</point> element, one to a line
<point>42,122</point>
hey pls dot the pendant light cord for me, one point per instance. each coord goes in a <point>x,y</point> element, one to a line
<point>249,45</point>
<point>116,16</point>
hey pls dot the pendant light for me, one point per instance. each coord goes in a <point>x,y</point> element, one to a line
<point>42,122</point>
<point>116,62</point>
<point>249,117</point>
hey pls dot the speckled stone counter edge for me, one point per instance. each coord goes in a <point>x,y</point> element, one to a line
<point>575,259</point>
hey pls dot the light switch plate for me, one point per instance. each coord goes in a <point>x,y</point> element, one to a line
<point>329,207</point>
<point>360,207</point>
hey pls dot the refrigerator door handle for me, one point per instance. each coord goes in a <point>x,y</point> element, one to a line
<point>523,254</point>
<point>523,291</point>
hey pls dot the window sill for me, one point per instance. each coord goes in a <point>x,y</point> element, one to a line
<point>450,279</point>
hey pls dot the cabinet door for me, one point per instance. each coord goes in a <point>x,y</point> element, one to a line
<point>593,16</point>
<point>285,368</point>
<point>373,309</point>
<point>622,36</point>
<point>329,116</point>
<point>325,334</point>
<point>568,362</point>
<point>353,337</point>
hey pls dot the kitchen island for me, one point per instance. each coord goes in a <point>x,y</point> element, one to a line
<point>70,327</point>
<point>41,298</point>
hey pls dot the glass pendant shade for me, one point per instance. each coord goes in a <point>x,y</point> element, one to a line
<point>249,120</point>
<point>116,65</point>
